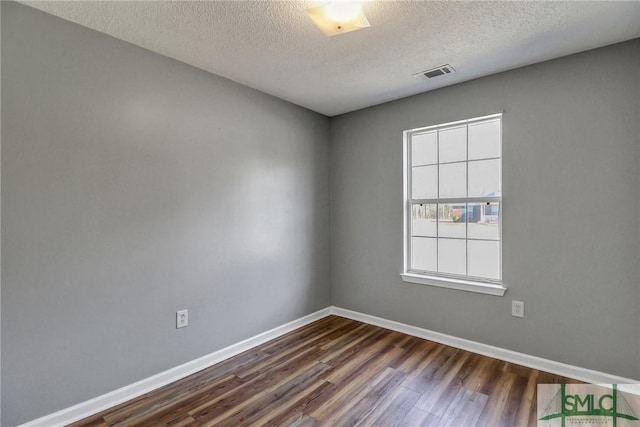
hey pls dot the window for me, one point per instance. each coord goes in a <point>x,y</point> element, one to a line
<point>453,205</point>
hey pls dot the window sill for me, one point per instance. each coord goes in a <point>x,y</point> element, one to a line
<point>461,285</point>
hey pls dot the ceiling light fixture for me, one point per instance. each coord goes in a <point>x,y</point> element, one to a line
<point>338,17</point>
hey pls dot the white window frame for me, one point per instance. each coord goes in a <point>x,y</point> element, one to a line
<point>460,282</point>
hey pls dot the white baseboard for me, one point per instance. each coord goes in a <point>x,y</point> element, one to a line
<point>534,362</point>
<point>116,397</point>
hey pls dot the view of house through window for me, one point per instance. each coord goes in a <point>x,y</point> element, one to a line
<point>453,197</point>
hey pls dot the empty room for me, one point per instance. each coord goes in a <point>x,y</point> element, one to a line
<point>320,213</point>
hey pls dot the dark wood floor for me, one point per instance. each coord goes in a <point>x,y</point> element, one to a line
<point>339,372</point>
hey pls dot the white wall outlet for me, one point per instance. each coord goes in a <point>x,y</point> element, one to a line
<point>517,308</point>
<point>182,319</point>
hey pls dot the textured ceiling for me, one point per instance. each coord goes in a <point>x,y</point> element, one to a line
<point>274,47</point>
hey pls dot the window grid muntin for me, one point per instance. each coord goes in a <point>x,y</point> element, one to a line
<point>466,206</point>
<point>466,200</point>
<point>437,212</point>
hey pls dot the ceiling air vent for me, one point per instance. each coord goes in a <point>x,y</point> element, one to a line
<point>435,72</point>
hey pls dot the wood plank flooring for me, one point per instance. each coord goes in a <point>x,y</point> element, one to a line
<point>339,372</point>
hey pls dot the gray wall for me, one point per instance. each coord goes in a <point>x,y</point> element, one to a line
<point>571,173</point>
<point>134,186</point>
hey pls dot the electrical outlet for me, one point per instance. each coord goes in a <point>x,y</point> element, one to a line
<point>517,308</point>
<point>182,319</point>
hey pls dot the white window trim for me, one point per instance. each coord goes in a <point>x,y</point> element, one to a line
<point>482,287</point>
<point>461,285</point>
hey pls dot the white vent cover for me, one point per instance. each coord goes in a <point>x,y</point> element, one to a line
<point>435,72</point>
